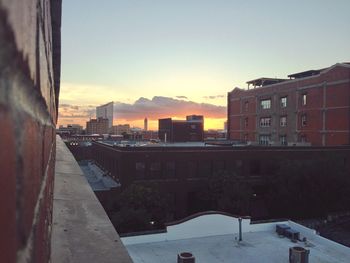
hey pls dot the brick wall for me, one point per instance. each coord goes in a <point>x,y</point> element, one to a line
<point>29,88</point>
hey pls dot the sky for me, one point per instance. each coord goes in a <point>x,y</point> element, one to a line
<point>163,58</point>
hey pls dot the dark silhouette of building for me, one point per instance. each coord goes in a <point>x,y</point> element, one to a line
<point>311,107</point>
<point>189,130</point>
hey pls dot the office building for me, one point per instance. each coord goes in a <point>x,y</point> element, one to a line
<point>97,126</point>
<point>311,107</point>
<point>106,112</point>
<point>121,129</point>
<point>189,130</point>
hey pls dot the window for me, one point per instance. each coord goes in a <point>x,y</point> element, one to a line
<point>204,169</point>
<point>155,169</point>
<point>303,138</point>
<point>246,137</point>
<point>303,120</point>
<point>192,169</point>
<point>246,106</point>
<point>246,122</point>
<point>265,122</point>
<point>283,121</point>
<point>265,104</point>
<point>140,168</point>
<point>283,102</point>
<point>283,139</point>
<point>264,139</point>
<point>169,169</point>
<point>303,99</point>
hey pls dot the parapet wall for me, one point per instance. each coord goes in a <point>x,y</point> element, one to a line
<point>29,88</point>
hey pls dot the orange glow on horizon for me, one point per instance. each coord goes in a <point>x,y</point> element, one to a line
<point>209,123</point>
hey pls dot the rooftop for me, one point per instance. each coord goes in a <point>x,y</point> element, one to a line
<point>81,230</point>
<point>214,238</point>
<point>97,179</point>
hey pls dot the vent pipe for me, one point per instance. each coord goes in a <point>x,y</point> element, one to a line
<point>240,228</point>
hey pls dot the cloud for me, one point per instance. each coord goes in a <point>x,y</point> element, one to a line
<point>182,97</point>
<point>161,107</point>
<point>214,97</point>
<point>76,111</point>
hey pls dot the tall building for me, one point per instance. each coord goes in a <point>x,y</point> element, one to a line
<point>145,124</point>
<point>188,130</point>
<point>310,107</point>
<point>97,126</point>
<point>106,111</point>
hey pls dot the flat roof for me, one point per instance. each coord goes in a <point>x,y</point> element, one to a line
<point>96,178</point>
<point>205,238</point>
<point>262,247</point>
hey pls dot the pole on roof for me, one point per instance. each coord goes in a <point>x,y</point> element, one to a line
<point>240,228</point>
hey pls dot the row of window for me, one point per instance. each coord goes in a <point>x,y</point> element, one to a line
<point>266,103</point>
<point>157,170</point>
<point>265,139</point>
<point>267,121</point>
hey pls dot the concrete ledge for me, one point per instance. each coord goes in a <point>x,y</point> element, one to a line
<point>81,231</point>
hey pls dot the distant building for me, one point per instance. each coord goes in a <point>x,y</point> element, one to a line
<point>70,129</point>
<point>120,129</point>
<point>195,118</point>
<point>97,126</point>
<point>188,130</point>
<point>312,107</point>
<point>145,124</point>
<point>106,111</point>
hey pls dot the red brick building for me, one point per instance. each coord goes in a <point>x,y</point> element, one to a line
<point>310,107</point>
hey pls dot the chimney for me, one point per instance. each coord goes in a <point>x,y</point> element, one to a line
<point>185,257</point>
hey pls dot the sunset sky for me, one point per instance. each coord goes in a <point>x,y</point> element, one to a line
<point>162,58</point>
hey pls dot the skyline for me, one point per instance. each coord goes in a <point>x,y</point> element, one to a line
<point>198,49</point>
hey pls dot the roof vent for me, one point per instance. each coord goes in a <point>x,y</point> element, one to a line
<point>185,257</point>
<point>298,255</point>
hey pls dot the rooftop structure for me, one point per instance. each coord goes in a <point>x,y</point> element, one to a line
<point>214,237</point>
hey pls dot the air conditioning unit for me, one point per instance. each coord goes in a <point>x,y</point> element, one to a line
<point>298,255</point>
<point>185,257</point>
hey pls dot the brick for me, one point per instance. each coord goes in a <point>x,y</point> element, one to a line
<point>8,189</point>
<point>31,176</point>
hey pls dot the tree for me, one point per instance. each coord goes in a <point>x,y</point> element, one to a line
<point>140,208</point>
<point>228,192</point>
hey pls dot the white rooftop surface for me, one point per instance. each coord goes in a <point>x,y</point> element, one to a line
<point>260,243</point>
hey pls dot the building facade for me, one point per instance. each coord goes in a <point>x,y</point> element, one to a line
<point>312,107</point>
<point>121,129</point>
<point>188,130</point>
<point>182,171</point>
<point>97,126</point>
<point>106,112</point>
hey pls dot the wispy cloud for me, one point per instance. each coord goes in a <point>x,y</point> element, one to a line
<point>214,97</point>
<point>182,97</point>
